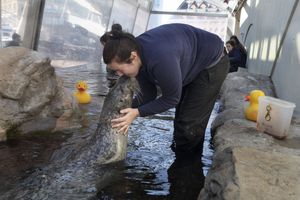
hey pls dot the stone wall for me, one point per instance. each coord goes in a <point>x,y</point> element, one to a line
<point>249,164</point>
<point>32,97</point>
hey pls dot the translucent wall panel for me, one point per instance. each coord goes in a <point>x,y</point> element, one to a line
<point>124,12</point>
<point>146,4</point>
<point>214,24</point>
<point>71,30</point>
<point>11,14</point>
<point>141,21</point>
<point>142,17</point>
<point>30,23</point>
<point>166,5</point>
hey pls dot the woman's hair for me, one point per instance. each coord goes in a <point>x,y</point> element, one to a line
<point>105,36</point>
<point>16,36</point>
<point>232,43</point>
<point>238,44</point>
<point>116,27</point>
<point>118,45</point>
<point>235,39</point>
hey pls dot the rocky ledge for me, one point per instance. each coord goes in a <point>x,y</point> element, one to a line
<point>32,97</point>
<point>249,164</point>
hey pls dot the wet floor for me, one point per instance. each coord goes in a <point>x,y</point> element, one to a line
<point>150,170</point>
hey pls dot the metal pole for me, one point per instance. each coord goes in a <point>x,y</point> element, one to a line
<point>0,23</point>
<point>189,13</point>
<point>38,28</point>
<point>150,10</point>
<point>136,13</point>
<point>283,37</point>
<point>112,6</point>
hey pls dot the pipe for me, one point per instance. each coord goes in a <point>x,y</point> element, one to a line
<point>110,14</point>
<point>283,37</point>
<point>1,24</point>
<point>38,25</point>
<point>149,9</point>
<point>135,17</point>
<point>247,32</point>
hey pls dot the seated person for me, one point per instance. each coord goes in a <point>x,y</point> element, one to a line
<point>241,48</point>
<point>234,55</point>
<point>16,40</point>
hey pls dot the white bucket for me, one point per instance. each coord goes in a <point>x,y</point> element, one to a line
<point>274,116</point>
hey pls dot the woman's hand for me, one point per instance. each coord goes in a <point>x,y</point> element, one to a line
<point>123,123</point>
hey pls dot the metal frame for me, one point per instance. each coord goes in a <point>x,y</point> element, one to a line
<point>189,13</point>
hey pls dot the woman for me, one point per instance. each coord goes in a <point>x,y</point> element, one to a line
<point>188,65</point>
<point>242,50</point>
<point>234,55</point>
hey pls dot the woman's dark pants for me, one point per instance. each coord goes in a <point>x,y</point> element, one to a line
<point>195,106</point>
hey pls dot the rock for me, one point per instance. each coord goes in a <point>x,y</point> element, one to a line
<point>32,97</point>
<point>239,84</point>
<point>246,173</point>
<point>234,89</point>
<point>228,114</point>
<point>247,163</point>
<point>243,133</point>
<point>2,134</point>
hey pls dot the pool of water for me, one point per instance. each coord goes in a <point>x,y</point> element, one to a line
<point>150,170</point>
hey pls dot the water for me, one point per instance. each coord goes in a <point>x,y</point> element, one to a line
<point>19,157</point>
<point>150,170</point>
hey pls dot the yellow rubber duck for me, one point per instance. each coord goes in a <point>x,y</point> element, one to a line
<point>252,109</point>
<point>81,94</point>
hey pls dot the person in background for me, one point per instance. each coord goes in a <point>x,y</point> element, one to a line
<point>242,49</point>
<point>188,64</point>
<point>16,40</point>
<point>234,55</point>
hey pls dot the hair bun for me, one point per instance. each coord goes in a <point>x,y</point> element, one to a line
<point>115,34</point>
<point>116,31</point>
<point>116,27</point>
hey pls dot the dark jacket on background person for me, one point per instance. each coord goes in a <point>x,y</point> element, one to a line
<point>242,50</point>
<point>16,40</point>
<point>243,59</point>
<point>235,58</point>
